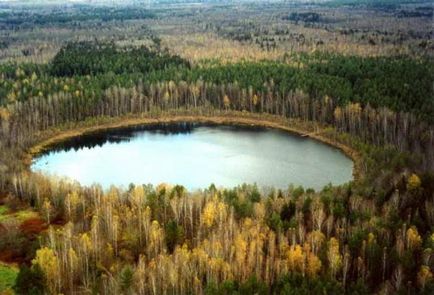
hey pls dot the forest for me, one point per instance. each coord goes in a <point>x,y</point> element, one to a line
<point>373,235</point>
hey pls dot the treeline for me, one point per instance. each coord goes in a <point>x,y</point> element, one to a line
<point>165,240</point>
<point>385,4</point>
<point>400,84</point>
<point>312,17</point>
<point>349,93</point>
<point>90,58</point>
<point>75,102</point>
<point>25,18</point>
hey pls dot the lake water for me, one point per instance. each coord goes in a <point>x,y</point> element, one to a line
<point>196,155</point>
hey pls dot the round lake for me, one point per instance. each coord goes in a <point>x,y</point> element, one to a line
<point>196,155</point>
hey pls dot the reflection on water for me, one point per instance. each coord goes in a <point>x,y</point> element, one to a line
<point>196,155</point>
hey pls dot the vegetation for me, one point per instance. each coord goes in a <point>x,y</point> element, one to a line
<point>8,275</point>
<point>372,235</point>
<point>87,58</point>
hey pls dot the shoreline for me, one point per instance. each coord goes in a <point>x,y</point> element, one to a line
<point>51,137</point>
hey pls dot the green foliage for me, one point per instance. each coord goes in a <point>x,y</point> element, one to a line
<point>399,83</point>
<point>304,16</point>
<point>78,13</point>
<point>356,239</point>
<point>30,281</point>
<point>90,58</point>
<point>254,196</point>
<point>390,4</point>
<point>288,211</point>
<point>242,208</point>
<point>3,210</point>
<point>8,275</point>
<point>298,191</point>
<point>275,222</point>
<point>296,284</point>
<point>174,235</point>
<point>126,278</point>
<point>251,286</point>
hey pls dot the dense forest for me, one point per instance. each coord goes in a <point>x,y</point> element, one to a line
<point>231,240</point>
<point>378,82</point>
<point>373,235</point>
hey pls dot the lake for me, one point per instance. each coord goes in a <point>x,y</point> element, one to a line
<point>196,155</point>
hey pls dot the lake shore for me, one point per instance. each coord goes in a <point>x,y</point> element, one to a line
<point>305,129</point>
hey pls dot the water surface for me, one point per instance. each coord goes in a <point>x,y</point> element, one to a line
<point>196,155</point>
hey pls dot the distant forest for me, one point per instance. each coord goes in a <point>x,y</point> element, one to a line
<point>401,84</point>
<point>354,74</point>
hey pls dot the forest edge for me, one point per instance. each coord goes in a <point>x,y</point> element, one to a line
<point>51,137</point>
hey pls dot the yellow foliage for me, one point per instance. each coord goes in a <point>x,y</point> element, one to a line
<point>240,249</point>
<point>208,214</point>
<point>34,76</point>
<point>73,259</point>
<point>338,113</point>
<point>226,101</point>
<point>371,238</point>
<point>333,255</point>
<point>255,100</point>
<point>414,240</point>
<point>49,264</point>
<point>12,97</point>
<point>313,265</point>
<point>166,97</point>
<point>155,231</point>
<point>46,206</point>
<point>19,72</point>
<point>4,114</point>
<point>248,222</point>
<point>138,195</point>
<point>355,108</point>
<point>212,210</point>
<point>221,209</point>
<point>85,242</point>
<point>316,238</point>
<point>259,210</point>
<point>295,258</point>
<point>424,276</point>
<point>413,182</point>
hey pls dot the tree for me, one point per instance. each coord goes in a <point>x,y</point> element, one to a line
<point>209,213</point>
<point>296,258</point>
<point>47,260</point>
<point>413,182</point>
<point>424,276</point>
<point>414,240</point>
<point>226,101</point>
<point>334,257</point>
<point>126,279</point>
<point>174,235</point>
<point>313,265</point>
<point>30,281</point>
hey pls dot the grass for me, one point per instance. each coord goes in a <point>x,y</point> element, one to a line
<point>20,216</point>
<point>23,215</point>
<point>3,209</point>
<point>8,275</point>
